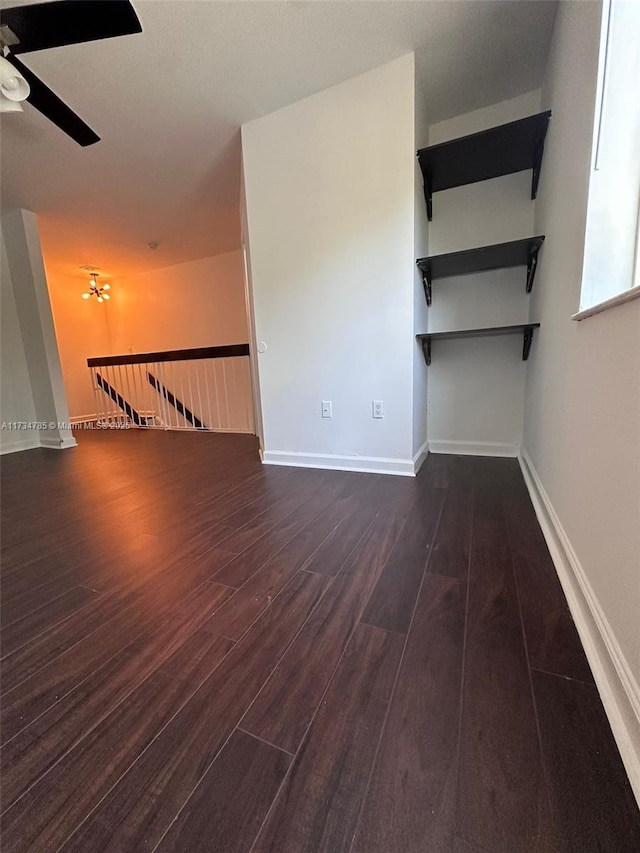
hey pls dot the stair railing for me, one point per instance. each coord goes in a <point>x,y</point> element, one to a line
<point>207,389</point>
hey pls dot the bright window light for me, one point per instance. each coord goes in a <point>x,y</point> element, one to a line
<point>611,262</point>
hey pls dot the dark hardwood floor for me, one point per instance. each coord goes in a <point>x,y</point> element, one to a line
<point>200,653</point>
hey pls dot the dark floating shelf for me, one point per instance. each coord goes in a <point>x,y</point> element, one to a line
<point>491,153</point>
<point>526,329</point>
<point>502,255</point>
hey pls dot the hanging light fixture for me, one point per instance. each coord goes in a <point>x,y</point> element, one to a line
<point>95,289</point>
<point>13,87</point>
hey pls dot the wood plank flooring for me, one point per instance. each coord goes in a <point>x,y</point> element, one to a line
<point>200,653</point>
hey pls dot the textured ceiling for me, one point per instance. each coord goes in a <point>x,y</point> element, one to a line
<point>168,104</point>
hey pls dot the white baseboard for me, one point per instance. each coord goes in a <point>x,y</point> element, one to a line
<point>58,443</point>
<point>420,457</point>
<point>230,431</point>
<point>17,446</point>
<point>365,464</point>
<point>33,442</point>
<point>616,684</point>
<point>475,448</point>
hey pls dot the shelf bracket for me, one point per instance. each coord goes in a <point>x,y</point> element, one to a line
<point>532,263</point>
<point>426,282</point>
<point>538,151</point>
<point>526,344</point>
<point>428,198</point>
<point>426,350</point>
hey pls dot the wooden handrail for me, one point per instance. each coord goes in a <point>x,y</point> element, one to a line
<point>229,351</point>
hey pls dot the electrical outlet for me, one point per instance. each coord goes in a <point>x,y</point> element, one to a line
<point>377,409</point>
<point>327,410</point>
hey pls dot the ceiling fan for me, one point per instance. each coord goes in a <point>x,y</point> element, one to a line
<point>43,25</point>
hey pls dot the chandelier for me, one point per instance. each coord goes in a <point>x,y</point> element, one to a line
<point>95,289</point>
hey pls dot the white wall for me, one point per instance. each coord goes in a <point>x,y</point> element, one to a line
<point>33,313</point>
<point>330,201</point>
<point>16,400</point>
<point>251,317</point>
<point>420,308</point>
<point>582,417</point>
<point>476,386</point>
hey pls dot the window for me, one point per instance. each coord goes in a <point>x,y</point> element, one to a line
<point>612,250</point>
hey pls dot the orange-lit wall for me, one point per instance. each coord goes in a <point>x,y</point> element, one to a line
<point>82,330</point>
<point>195,304</point>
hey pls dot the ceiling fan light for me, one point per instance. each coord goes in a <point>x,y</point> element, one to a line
<point>86,295</point>
<point>99,298</point>
<point>105,296</point>
<point>12,84</point>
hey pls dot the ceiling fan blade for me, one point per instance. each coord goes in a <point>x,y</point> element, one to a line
<point>49,104</point>
<point>64,22</point>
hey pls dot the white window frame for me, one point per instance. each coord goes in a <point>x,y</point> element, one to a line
<point>633,291</point>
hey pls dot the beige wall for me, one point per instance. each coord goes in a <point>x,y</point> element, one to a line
<point>582,410</point>
<point>195,304</point>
